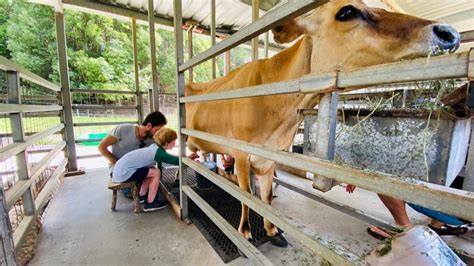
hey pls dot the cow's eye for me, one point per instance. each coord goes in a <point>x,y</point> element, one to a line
<point>347,13</point>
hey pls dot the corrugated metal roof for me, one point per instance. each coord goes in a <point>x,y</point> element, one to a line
<point>235,14</point>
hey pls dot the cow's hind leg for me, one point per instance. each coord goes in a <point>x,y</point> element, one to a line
<point>242,165</point>
<point>266,194</point>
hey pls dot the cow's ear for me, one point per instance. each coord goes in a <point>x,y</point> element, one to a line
<point>289,31</point>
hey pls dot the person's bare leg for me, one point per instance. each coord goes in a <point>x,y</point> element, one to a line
<point>154,184</point>
<point>436,223</point>
<point>144,186</point>
<point>397,209</point>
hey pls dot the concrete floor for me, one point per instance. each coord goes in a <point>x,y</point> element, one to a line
<point>80,228</point>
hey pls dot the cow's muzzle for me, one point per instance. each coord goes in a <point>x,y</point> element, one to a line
<point>445,38</point>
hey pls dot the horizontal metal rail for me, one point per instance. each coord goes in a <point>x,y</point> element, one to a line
<point>95,107</point>
<point>103,91</point>
<point>452,201</point>
<point>7,65</point>
<point>242,244</point>
<point>467,36</point>
<point>268,21</point>
<point>312,194</point>
<point>104,123</point>
<point>86,140</point>
<point>335,254</point>
<point>89,156</point>
<point>441,67</point>
<point>22,230</point>
<point>8,108</point>
<point>15,192</point>
<point>15,148</point>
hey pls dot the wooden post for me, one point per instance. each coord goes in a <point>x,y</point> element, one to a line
<point>213,35</point>
<point>136,72</point>
<point>154,73</point>
<point>326,136</point>
<point>18,135</point>
<point>66,118</point>
<point>7,248</point>
<point>255,16</point>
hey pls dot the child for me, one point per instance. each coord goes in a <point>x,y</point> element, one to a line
<point>139,166</point>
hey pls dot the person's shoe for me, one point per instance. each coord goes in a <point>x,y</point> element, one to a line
<point>155,205</point>
<point>446,230</point>
<point>143,198</point>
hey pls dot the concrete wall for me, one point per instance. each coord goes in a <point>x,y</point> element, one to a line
<point>390,144</point>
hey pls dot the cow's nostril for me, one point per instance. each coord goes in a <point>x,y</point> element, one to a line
<point>449,38</point>
<point>278,29</point>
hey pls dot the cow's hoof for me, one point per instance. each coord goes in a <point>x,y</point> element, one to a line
<point>278,240</point>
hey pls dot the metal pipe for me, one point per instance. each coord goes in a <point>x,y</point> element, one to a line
<point>213,36</point>
<point>136,72</point>
<point>154,72</point>
<point>178,31</point>
<point>68,135</point>
<point>255,16</point>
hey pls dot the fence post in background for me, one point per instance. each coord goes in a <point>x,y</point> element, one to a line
<point>255,16</point>
<point>154,73</point>
<point>136,72</point>
<point>468,183</point>
<point>178,31</point>
<point>266,44</point>
<point>190,50</point>
<point>66,118</point>
<point>7,248</point>
<point>213,35</point>
<point>227,62</point>
<point>18,135</point>
<point>326,136</point>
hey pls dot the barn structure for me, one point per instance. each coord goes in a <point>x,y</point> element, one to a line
<point>41,144</point>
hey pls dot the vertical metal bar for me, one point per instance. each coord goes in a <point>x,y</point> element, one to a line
<point>154,72</point>
<point>227,62</point>
<point>213,35</point>
<point>68,134</point>
<point>178,31</point>
<point>325,139</point>
<point>7,248</point>
<point>266,44</point>
<point>468,183</point>
<point>190,50</point>
<point>150,100</point>
<point>255,16</point>
<point>332,126</point>
<point>18,135</point>
<point>136,72</point>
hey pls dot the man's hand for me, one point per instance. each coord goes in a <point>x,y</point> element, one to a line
<point>193,156</point>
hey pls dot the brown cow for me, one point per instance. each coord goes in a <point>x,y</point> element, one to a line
<point>342,34</point>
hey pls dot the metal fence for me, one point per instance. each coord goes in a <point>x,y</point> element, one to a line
<point>32,157</point>
<point>459,203</point>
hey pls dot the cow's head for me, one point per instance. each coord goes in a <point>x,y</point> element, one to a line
<point>347,34</point>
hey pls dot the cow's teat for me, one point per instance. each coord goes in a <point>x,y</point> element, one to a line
<point>446,37</point>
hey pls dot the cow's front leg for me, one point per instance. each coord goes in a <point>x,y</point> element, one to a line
<point>242,167</point>
<point>266,194</point>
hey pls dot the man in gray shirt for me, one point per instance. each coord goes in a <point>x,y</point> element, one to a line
<point>128,137</point>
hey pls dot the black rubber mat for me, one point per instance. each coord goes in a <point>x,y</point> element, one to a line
<point>227,206</point>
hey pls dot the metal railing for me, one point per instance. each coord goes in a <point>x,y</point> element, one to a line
<point>448,200</point>
<point>24,191</point>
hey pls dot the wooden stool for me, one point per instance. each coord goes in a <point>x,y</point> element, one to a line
<point>118,186</point>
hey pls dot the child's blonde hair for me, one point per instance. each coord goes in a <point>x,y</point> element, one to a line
<point>164,136</point>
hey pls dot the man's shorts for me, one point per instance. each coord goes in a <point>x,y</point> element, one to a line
<point>139,175</point>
